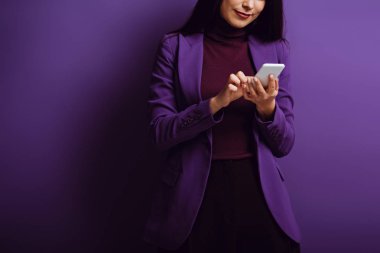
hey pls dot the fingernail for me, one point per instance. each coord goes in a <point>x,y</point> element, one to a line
<point>271,76</point>
<point>255,79</point>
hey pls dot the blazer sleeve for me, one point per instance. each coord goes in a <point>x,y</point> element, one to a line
<point>169,126</point>
<point>279,131</point>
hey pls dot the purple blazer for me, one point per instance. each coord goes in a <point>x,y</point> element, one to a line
<point>181,127</point>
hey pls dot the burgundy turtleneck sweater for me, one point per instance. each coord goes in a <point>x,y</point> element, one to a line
<point>226,51</point>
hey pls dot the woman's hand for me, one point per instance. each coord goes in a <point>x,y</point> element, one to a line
<point>263,98</point>
<point>232,90</point>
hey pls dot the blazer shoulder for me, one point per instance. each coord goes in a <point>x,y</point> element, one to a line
<point>170,39</point>
<point>170,35</point>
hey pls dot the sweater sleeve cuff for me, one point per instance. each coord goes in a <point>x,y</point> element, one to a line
<point>268,122</point>
<point>205,109</point>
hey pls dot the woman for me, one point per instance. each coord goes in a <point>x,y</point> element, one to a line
<point>219,130</point>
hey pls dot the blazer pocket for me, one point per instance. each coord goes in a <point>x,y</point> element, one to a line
<point>170,176</point>
<point>280,172</point>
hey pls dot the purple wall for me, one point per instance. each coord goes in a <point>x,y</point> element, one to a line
<point>77,169</point>
<point>333,172</point>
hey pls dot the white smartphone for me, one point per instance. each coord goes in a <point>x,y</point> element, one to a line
<point>267,69</point>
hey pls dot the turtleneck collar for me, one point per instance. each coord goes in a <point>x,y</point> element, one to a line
<point>222,31</point>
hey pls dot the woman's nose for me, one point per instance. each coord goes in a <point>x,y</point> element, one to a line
<point>249,3</point>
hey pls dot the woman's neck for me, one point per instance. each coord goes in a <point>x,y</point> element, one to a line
<point>223,31</point>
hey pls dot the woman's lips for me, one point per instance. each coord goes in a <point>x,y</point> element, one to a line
<point>243,15</point>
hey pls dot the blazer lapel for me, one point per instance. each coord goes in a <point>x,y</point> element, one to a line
<point>261,52</point>
<point>190,62</point>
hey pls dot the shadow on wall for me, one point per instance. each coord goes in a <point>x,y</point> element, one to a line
<point>120,163</point>
<point>77,165</point>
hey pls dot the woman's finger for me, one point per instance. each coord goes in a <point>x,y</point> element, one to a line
<point>277,85</point>
<point>243,78</point>
<point>259,87</point>
<point>232,87</point>
<point>276,88</point>
<point>234,80</point>
<point>250,87</point>
<point>272,86</point>
<point>246,95</point>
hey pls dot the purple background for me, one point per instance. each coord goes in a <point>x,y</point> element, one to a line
<point>77,168</point>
